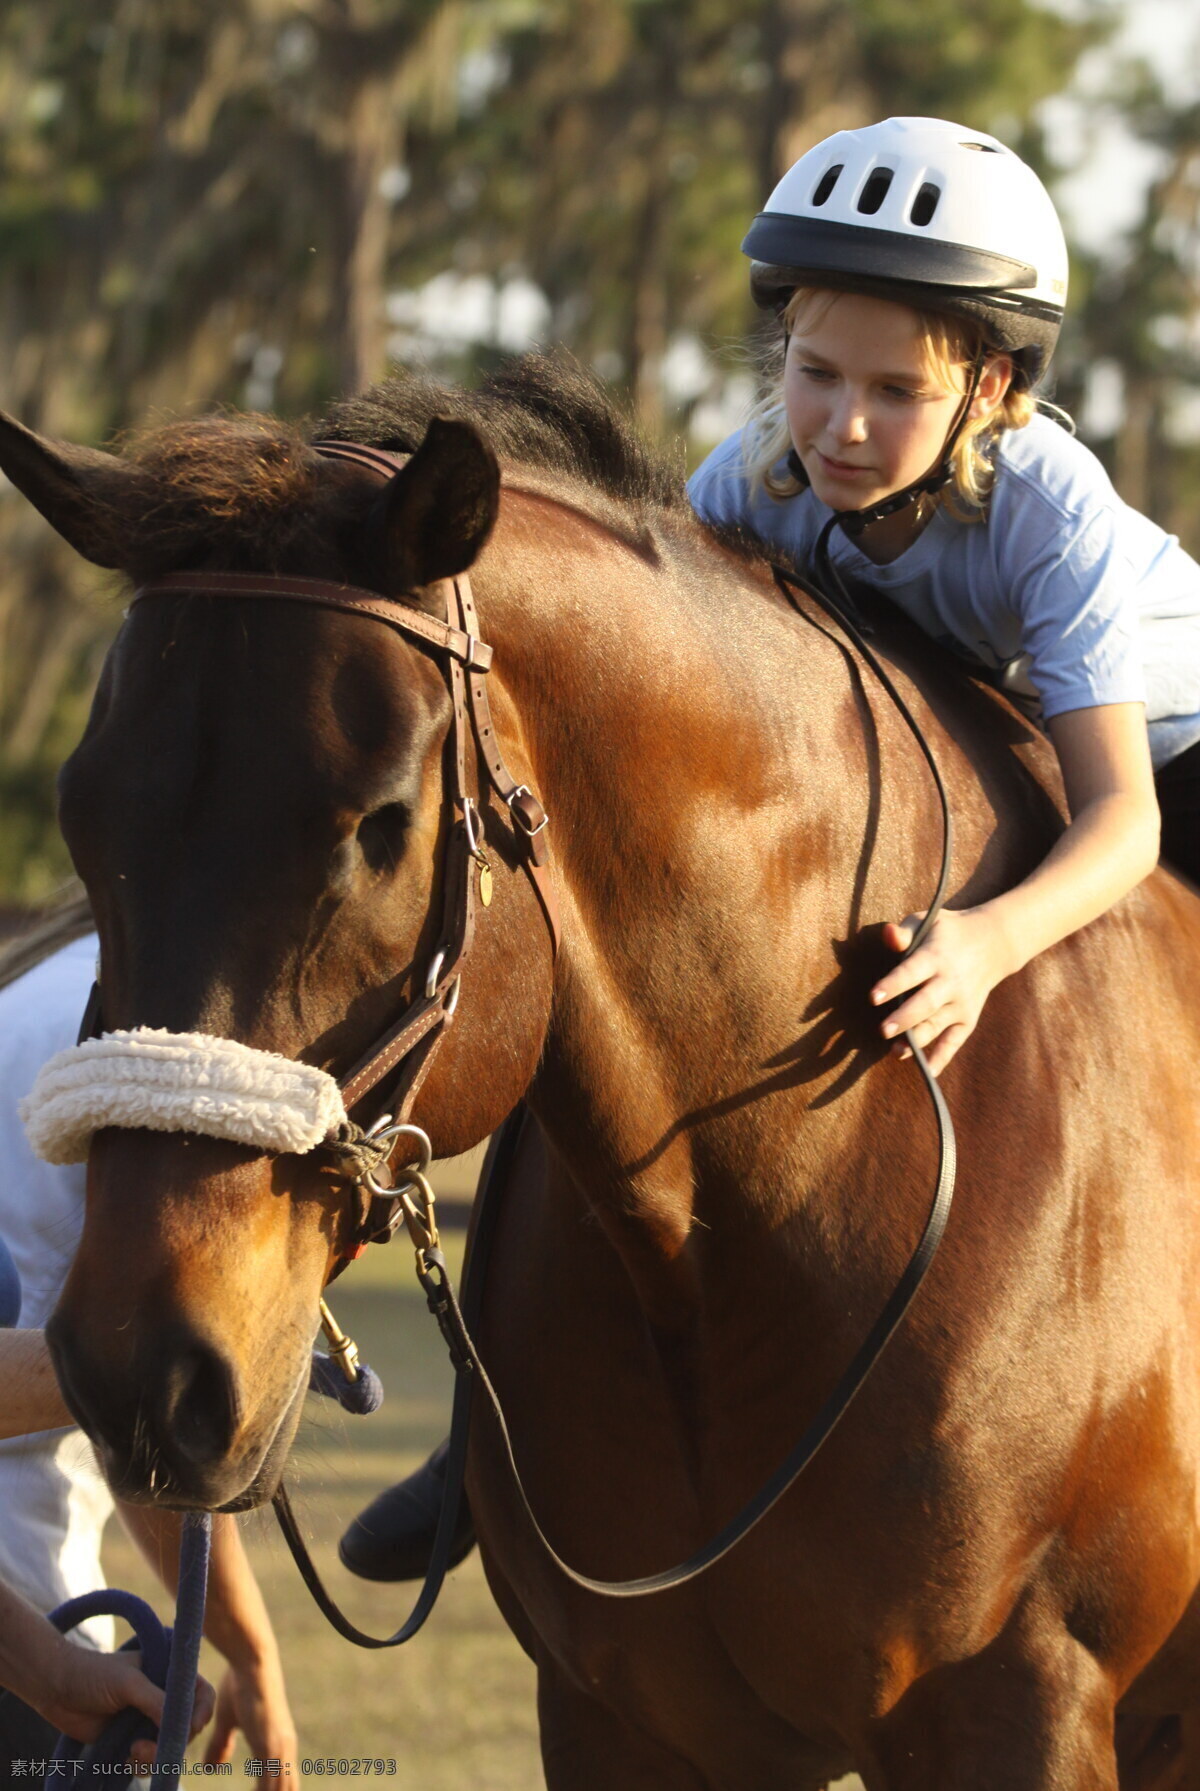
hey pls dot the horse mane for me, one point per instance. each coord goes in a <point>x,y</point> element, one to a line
<point>68,918</point>
<point>254,484</point>
<point>543,410</point>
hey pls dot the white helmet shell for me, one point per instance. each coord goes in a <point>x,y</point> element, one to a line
<point>926,211</point>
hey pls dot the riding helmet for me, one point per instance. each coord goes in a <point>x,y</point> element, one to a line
<point>927,213</point>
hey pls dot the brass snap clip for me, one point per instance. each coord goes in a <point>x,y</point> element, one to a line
<point>342,1349</point>
<point>420,1219</point>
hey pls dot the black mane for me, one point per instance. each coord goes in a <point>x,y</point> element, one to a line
<point>543,409</point>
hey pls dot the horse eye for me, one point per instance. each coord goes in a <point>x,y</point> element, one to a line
<point>381,836</point>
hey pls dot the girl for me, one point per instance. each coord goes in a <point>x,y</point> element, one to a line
<point>920,271</point>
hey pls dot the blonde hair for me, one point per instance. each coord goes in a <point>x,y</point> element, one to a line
<point>952,347</point>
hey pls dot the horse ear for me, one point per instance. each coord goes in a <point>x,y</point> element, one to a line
<point>436,514</point>
<point>83,493</point>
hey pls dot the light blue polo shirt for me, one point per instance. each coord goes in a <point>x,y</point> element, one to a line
<point>1064,595</point>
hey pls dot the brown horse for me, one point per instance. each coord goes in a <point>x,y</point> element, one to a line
<point>990,1571</point>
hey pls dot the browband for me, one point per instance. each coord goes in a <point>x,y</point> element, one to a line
<point>474,654</point>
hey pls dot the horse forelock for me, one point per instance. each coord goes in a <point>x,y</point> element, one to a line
<point>247,488</point>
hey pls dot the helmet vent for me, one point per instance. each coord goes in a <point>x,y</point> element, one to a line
<point>925,204</point>
<point>875,191</point>
<point>983,148</point>
<point>827,183</point>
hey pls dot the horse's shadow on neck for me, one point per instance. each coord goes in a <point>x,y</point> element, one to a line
<point>841,1025</point>
<point>838,1016</point>
<point>840,1029</point>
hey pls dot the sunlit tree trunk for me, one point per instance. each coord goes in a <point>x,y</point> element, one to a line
<point>648,320</point>
<point>359,274</point>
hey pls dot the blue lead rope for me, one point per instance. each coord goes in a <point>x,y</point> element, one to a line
<point>10,1289</point>
<point>176,1726</point>
<point>170,1658</point>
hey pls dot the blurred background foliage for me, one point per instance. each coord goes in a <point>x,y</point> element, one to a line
<point>265,202</point>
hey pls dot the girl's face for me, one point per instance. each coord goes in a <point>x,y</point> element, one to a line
<point>867,413</point>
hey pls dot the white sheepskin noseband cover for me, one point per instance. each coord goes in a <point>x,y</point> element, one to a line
<point>178,1082</point>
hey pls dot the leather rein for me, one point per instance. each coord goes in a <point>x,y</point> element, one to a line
<point>409,1045</point>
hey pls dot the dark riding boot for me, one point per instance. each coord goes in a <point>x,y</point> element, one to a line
<point>393,1538</point>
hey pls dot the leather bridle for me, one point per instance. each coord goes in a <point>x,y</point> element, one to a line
<point>406,1050</point>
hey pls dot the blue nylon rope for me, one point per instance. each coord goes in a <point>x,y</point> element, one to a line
<point>194,1550</point>
<point>169,1658</point>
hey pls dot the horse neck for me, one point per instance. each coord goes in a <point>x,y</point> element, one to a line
<point>710,766</point>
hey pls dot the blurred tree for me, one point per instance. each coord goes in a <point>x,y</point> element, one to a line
<point>631,141</point>
<point>1140,322</point>
<point>194,207</point>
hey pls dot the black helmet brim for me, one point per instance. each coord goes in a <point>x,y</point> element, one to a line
<point>789,252</point>
<point>826,246</point>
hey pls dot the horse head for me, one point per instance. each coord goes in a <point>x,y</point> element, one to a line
<point>258,810</point>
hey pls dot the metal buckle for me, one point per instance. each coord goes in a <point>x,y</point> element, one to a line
<point>518,818</point>
<point>433,974</point>
<point>472,824</point>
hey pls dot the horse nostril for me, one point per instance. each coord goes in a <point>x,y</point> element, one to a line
<point>198,1407</point>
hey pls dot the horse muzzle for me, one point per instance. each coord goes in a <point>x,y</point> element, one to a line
<point>171,1426</point>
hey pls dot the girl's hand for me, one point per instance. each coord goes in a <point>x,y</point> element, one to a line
<point>947,981</point>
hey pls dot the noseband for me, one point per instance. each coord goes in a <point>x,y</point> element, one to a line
<point>406,1050</point>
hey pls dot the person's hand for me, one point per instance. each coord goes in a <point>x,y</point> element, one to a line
<point>85,1690</point>
<point>947,980</point>
<point>252,1698</point>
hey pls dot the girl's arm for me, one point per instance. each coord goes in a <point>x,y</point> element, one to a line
<point>1110,845</point>
<point>29,1395</point>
